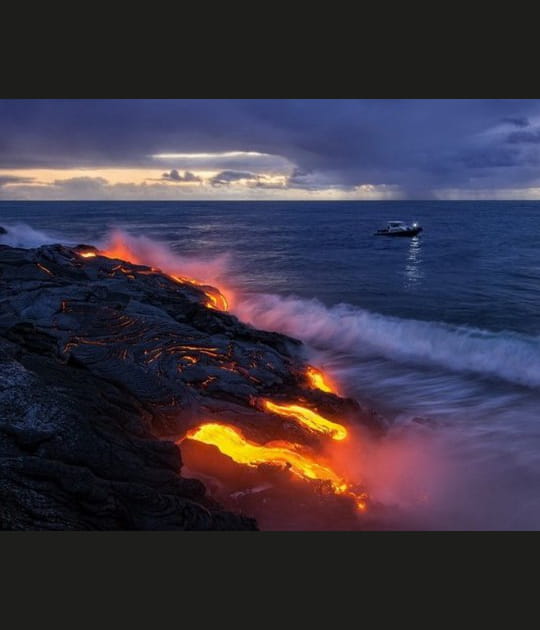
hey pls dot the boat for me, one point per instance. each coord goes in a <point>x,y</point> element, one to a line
<point>399,228</point>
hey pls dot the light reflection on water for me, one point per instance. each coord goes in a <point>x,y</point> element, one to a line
<point>414,269</point>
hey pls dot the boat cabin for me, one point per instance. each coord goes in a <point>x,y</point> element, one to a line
<point>395,224</point>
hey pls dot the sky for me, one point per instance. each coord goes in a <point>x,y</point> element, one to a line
<point>161,149</point>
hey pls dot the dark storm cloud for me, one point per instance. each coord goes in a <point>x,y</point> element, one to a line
<point>495,158</point>
<point>416,145</point>
<point>174,176</point>
<point>299,177</point>
<point>224,178</point>
<point>523,137</point>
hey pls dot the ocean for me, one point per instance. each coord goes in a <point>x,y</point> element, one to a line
<point>440,333</point>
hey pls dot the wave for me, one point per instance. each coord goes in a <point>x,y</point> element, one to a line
<point>347,329</point>
<point>22,235</point>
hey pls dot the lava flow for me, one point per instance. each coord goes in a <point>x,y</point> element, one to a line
<point>318,380</point>
<point>308,418</point>
<point>298,460</point>
<point>230,442</point>
<point>119,248</point>
<point>216,299</point>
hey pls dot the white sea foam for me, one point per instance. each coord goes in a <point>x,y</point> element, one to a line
<point>343,328</point>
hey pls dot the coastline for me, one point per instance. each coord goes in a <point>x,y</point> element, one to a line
<point>106,364</point>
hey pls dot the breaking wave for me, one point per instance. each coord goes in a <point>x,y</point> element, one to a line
<point>347,329</point>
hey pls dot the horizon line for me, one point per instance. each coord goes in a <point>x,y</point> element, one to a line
<point>257,200</point>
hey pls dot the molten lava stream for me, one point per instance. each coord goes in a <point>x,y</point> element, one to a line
<point>216,299</point>
<point>230,442</point>
<point>311,420</point>
<point>318,380</point>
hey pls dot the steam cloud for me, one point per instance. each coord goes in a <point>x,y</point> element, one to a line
<point>152,253</point>
<point>21,235</point>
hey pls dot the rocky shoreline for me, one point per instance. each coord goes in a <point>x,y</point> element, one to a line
<point>104,366</point>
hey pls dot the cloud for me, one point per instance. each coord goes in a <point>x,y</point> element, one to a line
<point>417,146</point>
<point>269,184</point>
<point>225,178</point>
<point>491,158</point>
<point>174,176</point>
<point>307,179</point>
<point>522,137</point>
<point>518,121</point>
<point>14,179</point>
<point>80,187</point>
<point>259,187</point>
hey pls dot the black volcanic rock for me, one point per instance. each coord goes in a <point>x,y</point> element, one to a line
<point>76,453</point>
<point>102,362</point>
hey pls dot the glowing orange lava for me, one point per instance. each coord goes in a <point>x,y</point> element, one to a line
<point>228,439</point>
<point>216,299</point>
<point>230,442</point>
<point>317,380</point>
<point>313,421</point>
<point>118,248</point>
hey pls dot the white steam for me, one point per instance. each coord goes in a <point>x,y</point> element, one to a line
<point>210,270</point>
<point>21,235</point>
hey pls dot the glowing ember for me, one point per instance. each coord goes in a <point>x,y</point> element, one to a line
<point>230,442</point>
<point>361,501</point>
<point>313,421</point>
<point>88,254</point>
<point>48,271</point>
<point>317,380</point>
